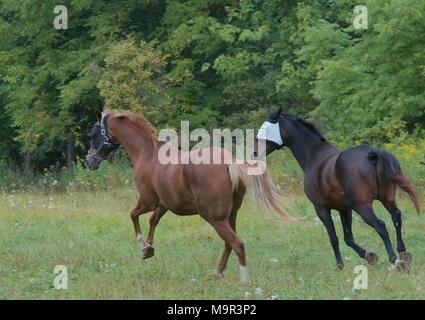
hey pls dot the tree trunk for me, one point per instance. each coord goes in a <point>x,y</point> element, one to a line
<point>13,162</point>
<point>70,153</point>
<point>27,164</point>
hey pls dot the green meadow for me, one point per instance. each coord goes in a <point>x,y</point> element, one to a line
<point>92,235</point>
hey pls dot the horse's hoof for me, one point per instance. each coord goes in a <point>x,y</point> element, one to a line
<point>148,252</point>
<point>339,266</point>
<point>219,274</point>
<point>371,258</point>
<point>406,257</point>
<point>401,265</point>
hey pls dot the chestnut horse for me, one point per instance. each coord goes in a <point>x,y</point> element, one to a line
<point>342,180</point>
<point>214,191</point>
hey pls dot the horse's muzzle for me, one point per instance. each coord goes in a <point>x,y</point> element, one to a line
<point>92,163</point>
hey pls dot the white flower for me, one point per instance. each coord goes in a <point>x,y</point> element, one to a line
<point>259,291</point>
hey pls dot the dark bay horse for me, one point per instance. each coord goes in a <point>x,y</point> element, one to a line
<point>342,180</point>
<point>214,191</point>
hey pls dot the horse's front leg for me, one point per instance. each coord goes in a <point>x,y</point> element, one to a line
<point>325,216</point>
<point>153,222</point>
<point>346,221</point>
<point>140,208</point>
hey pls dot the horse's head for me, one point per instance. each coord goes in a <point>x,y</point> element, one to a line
<point>101,145</point>
<point>271,134</point>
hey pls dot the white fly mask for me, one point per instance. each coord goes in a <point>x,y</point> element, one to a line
<point>270,131</point>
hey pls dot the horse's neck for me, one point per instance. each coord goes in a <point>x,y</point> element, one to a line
<point>139,144</point>
<point>309,151</point>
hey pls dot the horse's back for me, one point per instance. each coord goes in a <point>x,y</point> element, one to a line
<point>356,157</point>
<point>212,173</point>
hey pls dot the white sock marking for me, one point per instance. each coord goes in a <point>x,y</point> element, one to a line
<point>142,242</point>
<point>243,271</point>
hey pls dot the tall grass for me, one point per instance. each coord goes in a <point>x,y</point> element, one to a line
<point>110,175</point>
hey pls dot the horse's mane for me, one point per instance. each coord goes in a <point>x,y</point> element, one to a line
<point>308,125</point>
<point>139,120</point>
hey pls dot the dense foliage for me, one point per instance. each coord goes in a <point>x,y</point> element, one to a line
<point>217,63</point>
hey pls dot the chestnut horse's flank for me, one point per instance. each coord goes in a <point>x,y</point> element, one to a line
<point>214,191</point>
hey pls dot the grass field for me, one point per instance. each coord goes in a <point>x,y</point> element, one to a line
<point>92,235</point>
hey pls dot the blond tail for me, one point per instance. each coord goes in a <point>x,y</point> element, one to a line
<point>260,188</point>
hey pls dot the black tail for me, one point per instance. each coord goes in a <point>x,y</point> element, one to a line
<point>393,173</point>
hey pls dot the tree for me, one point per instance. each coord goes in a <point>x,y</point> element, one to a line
<point>373,89</point>
<point>131,79</point>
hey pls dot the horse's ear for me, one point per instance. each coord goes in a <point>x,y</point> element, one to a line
<point>278,112</point>
<point>269,111</point>
<point>274,115</point>
<point>98,115</point>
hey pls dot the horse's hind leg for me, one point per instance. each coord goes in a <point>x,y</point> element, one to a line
<point>226,232</point>
<point>392,208</point>
<point>237,202</point>
<point>227,248</point>
<point>368,216</point>
<point>346,220</point>
<point>223,260</point>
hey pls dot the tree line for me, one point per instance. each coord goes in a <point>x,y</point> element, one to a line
<point>216,63</point>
